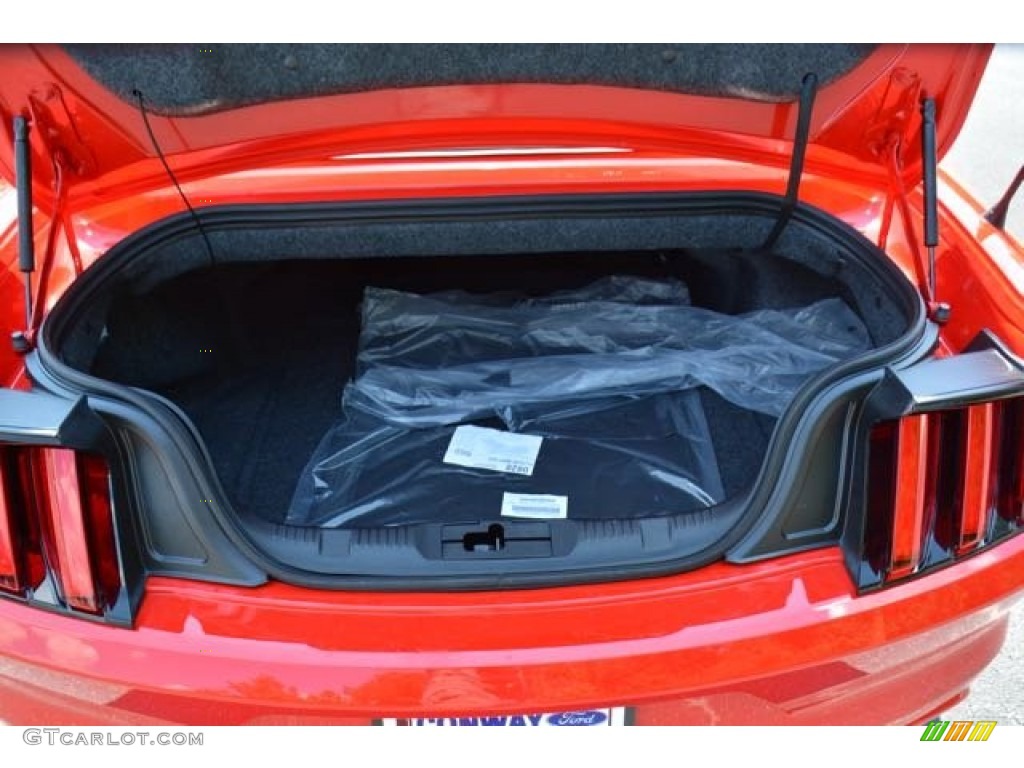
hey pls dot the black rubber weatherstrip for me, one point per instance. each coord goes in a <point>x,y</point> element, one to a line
<point>194,458</point>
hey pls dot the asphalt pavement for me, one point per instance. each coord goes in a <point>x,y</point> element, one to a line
<point>985,157</point>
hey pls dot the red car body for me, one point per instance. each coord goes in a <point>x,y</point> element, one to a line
<point>788,640</point>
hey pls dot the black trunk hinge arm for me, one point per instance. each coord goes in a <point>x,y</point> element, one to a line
<point>54,126</point>
<point>808,90</point>
<point>996,215</point>
<point>59,222</point>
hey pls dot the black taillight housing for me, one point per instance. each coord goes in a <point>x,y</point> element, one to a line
<point>58,536</point>
<point>63,545</point>
<point>941,469</point>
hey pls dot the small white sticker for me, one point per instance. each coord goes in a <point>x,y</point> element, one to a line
<point>540,506</point>
<point>484,448</point>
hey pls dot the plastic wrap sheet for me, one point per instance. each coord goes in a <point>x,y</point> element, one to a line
<point>429,362</point>
<point>603,377</point>
<point>418,332</point>
<point>607,459</point>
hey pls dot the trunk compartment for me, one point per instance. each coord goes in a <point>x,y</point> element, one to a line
<point>264,400</point>
<point>255,347</point>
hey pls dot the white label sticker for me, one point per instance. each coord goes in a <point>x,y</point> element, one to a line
<point>540,506</point>
<point>484,448</point>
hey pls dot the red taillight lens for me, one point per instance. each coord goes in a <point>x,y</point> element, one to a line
<point>10,535</point>
<point>56,516</point>
<point>934,484</point>
<point>911,494</point>
<point>978,486</point>
<point>68,529</point>
<point>21,556</point>
<point>94,476</point>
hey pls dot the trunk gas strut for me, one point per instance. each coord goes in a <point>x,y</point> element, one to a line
<point>924,264</point>
<point>26,232</point>
<point>938,310</point>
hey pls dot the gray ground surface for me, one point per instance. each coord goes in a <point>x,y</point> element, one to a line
<point>984,158</point>
<point>990,148</point>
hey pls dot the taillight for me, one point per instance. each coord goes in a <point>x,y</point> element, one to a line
<point>911,495</point>
<point>1011,463</point>
<point>11,569</point>
<point>941,485</point>
<point>977,501</point>
<point>22,566</point>
<point>56,522</point>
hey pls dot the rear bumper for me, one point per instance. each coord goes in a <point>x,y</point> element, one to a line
<point>784,641</point>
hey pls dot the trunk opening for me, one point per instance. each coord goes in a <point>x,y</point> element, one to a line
<point>256,349</point>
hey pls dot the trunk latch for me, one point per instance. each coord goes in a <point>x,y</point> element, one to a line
<point>511,539</point>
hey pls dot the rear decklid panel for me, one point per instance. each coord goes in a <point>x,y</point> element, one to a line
<point>226,106</point>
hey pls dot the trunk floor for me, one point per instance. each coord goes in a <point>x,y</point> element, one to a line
<point>261,426</point>
<point>291,332</point>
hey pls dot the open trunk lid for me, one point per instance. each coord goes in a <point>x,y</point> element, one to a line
<point>222,107</point>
